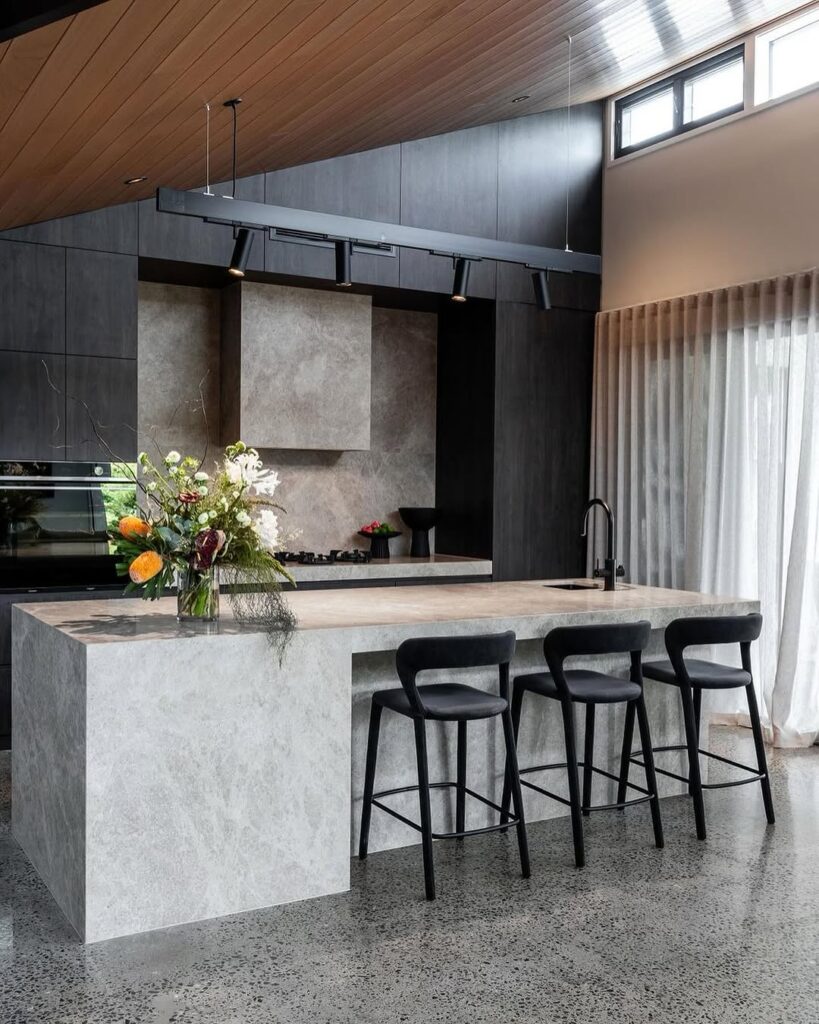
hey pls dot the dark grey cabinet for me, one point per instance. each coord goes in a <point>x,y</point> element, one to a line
<point>168,236</point>
<point>543,376</point>
<point>32,297</point>
<point>101,399</point>
<point>101,304</point>
<point>366,185</point>
<point>536,171</point>
<point>113,229</point>
<point>450,183</point>
<point>32,405</point>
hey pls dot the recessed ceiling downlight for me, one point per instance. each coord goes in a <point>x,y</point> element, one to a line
<point>136,180</point>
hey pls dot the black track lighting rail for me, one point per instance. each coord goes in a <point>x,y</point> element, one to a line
<point>243,213</point>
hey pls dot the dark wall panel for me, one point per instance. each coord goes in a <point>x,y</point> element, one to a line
<point>32,412</point>
<point>465,425</point>
<point>101,303</point>
<point>450,183</point>
<point>359,185</point>
<point>32,297</point>
<point>543,368</point>
<point>108,387</point>
<point>533,173</point>
<point>111,230</point>
<point>168,237</point>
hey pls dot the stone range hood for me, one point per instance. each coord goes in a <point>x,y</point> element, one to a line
<point>295,368</point>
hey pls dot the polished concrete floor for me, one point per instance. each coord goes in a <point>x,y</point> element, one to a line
<point>723,931</point>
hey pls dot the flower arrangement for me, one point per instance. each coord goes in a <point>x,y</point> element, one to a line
<point>192,523</point>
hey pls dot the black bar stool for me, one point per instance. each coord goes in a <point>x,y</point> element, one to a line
<point>445,702</point>
<point>582,686</point>
<point>691,677</point>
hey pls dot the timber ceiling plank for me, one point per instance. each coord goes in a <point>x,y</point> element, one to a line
<point>23,60</point>
<point>118,89</point>
<point>76,47</point>
<point>155,110</point>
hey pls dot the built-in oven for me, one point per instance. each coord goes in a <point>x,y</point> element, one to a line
<point>55,520</point>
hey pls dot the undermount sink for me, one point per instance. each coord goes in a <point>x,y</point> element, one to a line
<point>573,586</point>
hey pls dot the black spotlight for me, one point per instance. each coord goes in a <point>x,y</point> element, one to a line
<point>241,252</point>
<point>540,279</point>
<point>461,281</point>
<point>344,274</point>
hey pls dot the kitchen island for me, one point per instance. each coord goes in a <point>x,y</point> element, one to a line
<point>165,773</point>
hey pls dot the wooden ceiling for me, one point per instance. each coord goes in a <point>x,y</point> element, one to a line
<point>118,90</point>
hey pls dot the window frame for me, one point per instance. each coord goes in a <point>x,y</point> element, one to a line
<point>763,41</point>
<point>676,81</point>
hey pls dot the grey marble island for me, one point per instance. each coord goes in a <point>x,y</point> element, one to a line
<point>164,773</point>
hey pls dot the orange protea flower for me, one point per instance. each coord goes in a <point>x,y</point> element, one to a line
<point>133,526</point>
<point>145,566</point>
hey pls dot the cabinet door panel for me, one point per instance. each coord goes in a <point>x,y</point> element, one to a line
<point>32,297</point>
<point>450,183</point>
<point>109,388</point>
<point>32,410</point>
<point>168,236</point>
<point>101,304</point>
<point>365,185</point>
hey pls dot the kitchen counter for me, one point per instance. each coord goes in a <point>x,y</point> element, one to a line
<point>165,773</point>
<point>401,567</point>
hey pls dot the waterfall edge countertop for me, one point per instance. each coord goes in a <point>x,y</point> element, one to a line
<point>165,773</point>
<point>367,612</point>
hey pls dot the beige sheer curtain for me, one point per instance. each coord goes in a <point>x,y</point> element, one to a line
<point>705,438</point>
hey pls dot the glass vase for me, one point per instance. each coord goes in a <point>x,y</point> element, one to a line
<point>197,595</point>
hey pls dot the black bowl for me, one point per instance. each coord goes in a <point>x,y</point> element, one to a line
<point>419,518</point>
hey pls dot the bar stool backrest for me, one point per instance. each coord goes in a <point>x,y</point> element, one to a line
<point>712,630</point>
<point>425,653</point>
<point>571,641</point>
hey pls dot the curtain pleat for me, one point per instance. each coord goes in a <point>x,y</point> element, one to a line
<point>705,440</point>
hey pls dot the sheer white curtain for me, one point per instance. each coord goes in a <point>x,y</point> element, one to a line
<point>705,437</point>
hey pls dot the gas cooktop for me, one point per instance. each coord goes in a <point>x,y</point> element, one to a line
<point>335,557</point>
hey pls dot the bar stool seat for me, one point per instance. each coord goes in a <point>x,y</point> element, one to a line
<point>445,702</point>
<point>691,676</point>
<point>585,687</point>
<point>708,675</point>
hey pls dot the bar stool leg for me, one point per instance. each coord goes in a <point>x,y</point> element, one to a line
<point>761,760</point>
<point>423,798</point>
<point>369,779</point>
<point>698,710</point>
<point>574,785</point>
<point>694,777</point>
<point>651,777</point>
<point>460,792</point>
<point>517,701</point>
<point>625,758</point>
<point>588,759</point>
<point>517,797</point>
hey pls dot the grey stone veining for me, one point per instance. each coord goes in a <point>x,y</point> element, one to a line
<point>722,932</point>
<point>304,368</point>
<point>328,495</point>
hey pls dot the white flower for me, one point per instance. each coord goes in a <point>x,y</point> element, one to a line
<point>242,518</point>
<point>142,458</point>
<point>201,476</point>
<point>266,483</point>
<point>151,485</point>
<point>172,458</point>
<point>203,518</point>
<point>203,491</point>
<point>267,529</point>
